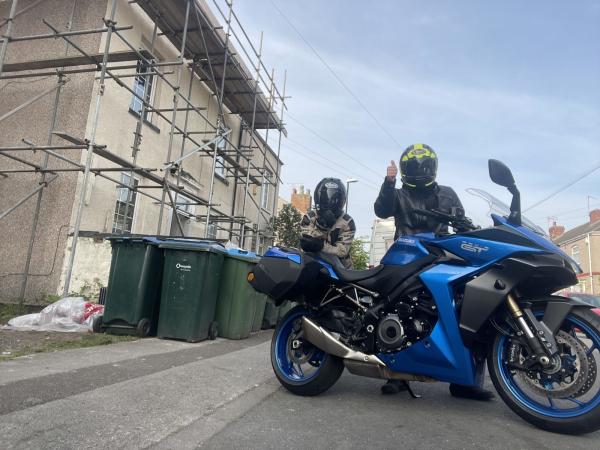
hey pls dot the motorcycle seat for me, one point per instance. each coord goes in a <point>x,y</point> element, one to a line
<point>348,275</point>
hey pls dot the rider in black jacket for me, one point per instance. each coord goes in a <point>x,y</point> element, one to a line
<point>418,170</point>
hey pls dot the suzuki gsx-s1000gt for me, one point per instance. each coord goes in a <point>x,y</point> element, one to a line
<point>439,307</point>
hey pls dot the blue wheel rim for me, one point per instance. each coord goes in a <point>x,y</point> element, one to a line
<point>287,367</point>
<point>550,410</point>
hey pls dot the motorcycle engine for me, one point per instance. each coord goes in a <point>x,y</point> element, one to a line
<point>407,322</point>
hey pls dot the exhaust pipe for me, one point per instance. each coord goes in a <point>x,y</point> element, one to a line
<point>323,339</point>
<point>356,362</point>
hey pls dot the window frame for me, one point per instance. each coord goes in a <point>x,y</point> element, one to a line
<point>213,231</point>
<point>265,190</point>
<point>576,253</point>
<point>220,163</point>
<point>148,114</point>
<point>131,199</point>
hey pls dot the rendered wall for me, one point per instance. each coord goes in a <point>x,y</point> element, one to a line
<point>33,123</point>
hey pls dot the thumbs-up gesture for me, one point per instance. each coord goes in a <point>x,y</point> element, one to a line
<point>392,170</point>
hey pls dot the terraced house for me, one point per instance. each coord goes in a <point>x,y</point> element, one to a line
<point>117,117</point>
<point>582,243</point>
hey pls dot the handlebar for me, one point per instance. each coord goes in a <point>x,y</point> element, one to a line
<point>459,223</point>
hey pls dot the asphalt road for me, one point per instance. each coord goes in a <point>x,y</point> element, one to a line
<point>223,395</point>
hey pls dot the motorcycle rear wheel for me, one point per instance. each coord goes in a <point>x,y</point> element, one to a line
<point>578,413</point>
<point>299,366</point>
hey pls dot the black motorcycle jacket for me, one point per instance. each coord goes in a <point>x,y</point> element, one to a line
<point>401,204</point>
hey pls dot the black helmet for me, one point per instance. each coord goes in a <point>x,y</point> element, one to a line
<point>418,166</point>
<point>330,195</point>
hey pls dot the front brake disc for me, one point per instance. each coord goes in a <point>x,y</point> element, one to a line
<point>563,385</point>
<point>591,378</point>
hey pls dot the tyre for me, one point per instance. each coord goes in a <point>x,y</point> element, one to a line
<point>563,400</point>
<point>300,367</point>
<point>213,331</point>
<point>143,328</point>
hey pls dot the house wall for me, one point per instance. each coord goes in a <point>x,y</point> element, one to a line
<point>116,131</point>
<point>116,126</point>
<point>382,238</point>
<point>33,124</point>
<point>586,279</point>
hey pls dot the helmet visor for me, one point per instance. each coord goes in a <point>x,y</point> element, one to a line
<point>329,197</point>
<point>421,167</point>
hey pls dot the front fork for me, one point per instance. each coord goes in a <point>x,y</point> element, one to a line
<point>536,333</point>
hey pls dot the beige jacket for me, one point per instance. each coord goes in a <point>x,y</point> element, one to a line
<point>338,238</point>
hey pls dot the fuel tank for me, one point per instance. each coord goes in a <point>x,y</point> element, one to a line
<point>407,249</point>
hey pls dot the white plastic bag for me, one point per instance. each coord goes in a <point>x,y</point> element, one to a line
<point>72,314</point>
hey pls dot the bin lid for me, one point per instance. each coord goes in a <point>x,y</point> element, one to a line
<point>193,246</point>
<point>146,239</point>
<point>244,255</point>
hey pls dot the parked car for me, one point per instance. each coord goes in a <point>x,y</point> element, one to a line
<point>593,300</point>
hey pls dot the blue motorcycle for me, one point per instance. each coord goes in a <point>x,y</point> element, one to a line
<point>437,309</point>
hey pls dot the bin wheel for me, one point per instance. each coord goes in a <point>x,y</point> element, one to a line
<point>213,331</point>
<point>97,324</point>
<point>143,328</point>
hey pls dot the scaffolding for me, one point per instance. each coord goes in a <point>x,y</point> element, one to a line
<point>209,53</point>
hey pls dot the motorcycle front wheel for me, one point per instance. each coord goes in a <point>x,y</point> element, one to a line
<point>300,367</point>
<point>565,399</point>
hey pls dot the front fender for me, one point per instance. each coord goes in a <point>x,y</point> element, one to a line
<point>530,277</point>
<point>557,309</point>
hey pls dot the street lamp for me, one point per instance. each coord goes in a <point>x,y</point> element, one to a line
<point>348,181</point>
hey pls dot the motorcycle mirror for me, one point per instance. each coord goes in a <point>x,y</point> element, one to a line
<point>500,173</point>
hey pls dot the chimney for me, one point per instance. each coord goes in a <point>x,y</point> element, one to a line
<point>294,191</point>
<point>301,189</point>
<point>594,215</point>
<point>556,231</point>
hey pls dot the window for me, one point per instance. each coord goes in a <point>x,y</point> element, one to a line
<point>212,231</point>
<point>185,212</point>
<point>220,168</point>
<point>125,206</point>
<point>185,206</point>
<point>143,86</point>
<point>264,192</point>
<point>575,254</point>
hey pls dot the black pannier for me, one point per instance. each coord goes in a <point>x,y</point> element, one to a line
<point>282,279</point>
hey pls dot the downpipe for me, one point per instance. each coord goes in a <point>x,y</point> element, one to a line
<point>357,363</point>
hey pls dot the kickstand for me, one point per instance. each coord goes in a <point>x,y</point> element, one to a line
<point>410,391</point>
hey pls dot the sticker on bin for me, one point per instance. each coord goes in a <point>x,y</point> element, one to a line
<point>183,267</point>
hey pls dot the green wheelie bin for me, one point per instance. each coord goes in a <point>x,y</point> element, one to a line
<point>191,277</point>
<point>271,316</point>
<point>260,303</point>
<point>238,301</point>
<point>133,291</point>
<point>284,308</point>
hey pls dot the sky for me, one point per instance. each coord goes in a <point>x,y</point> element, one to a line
<point>512,80</point>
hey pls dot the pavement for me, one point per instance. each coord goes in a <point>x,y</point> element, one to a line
<point>222,394</point>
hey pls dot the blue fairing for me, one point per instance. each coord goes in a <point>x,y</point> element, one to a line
<point>276,252</point>
<point>536,238</point>
<point>480,252</point>
<point>406,249</point>
<point>442,355</point>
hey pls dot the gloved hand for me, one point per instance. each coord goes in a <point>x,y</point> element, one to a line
<point>311,244</point>
<point>326,219</point>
